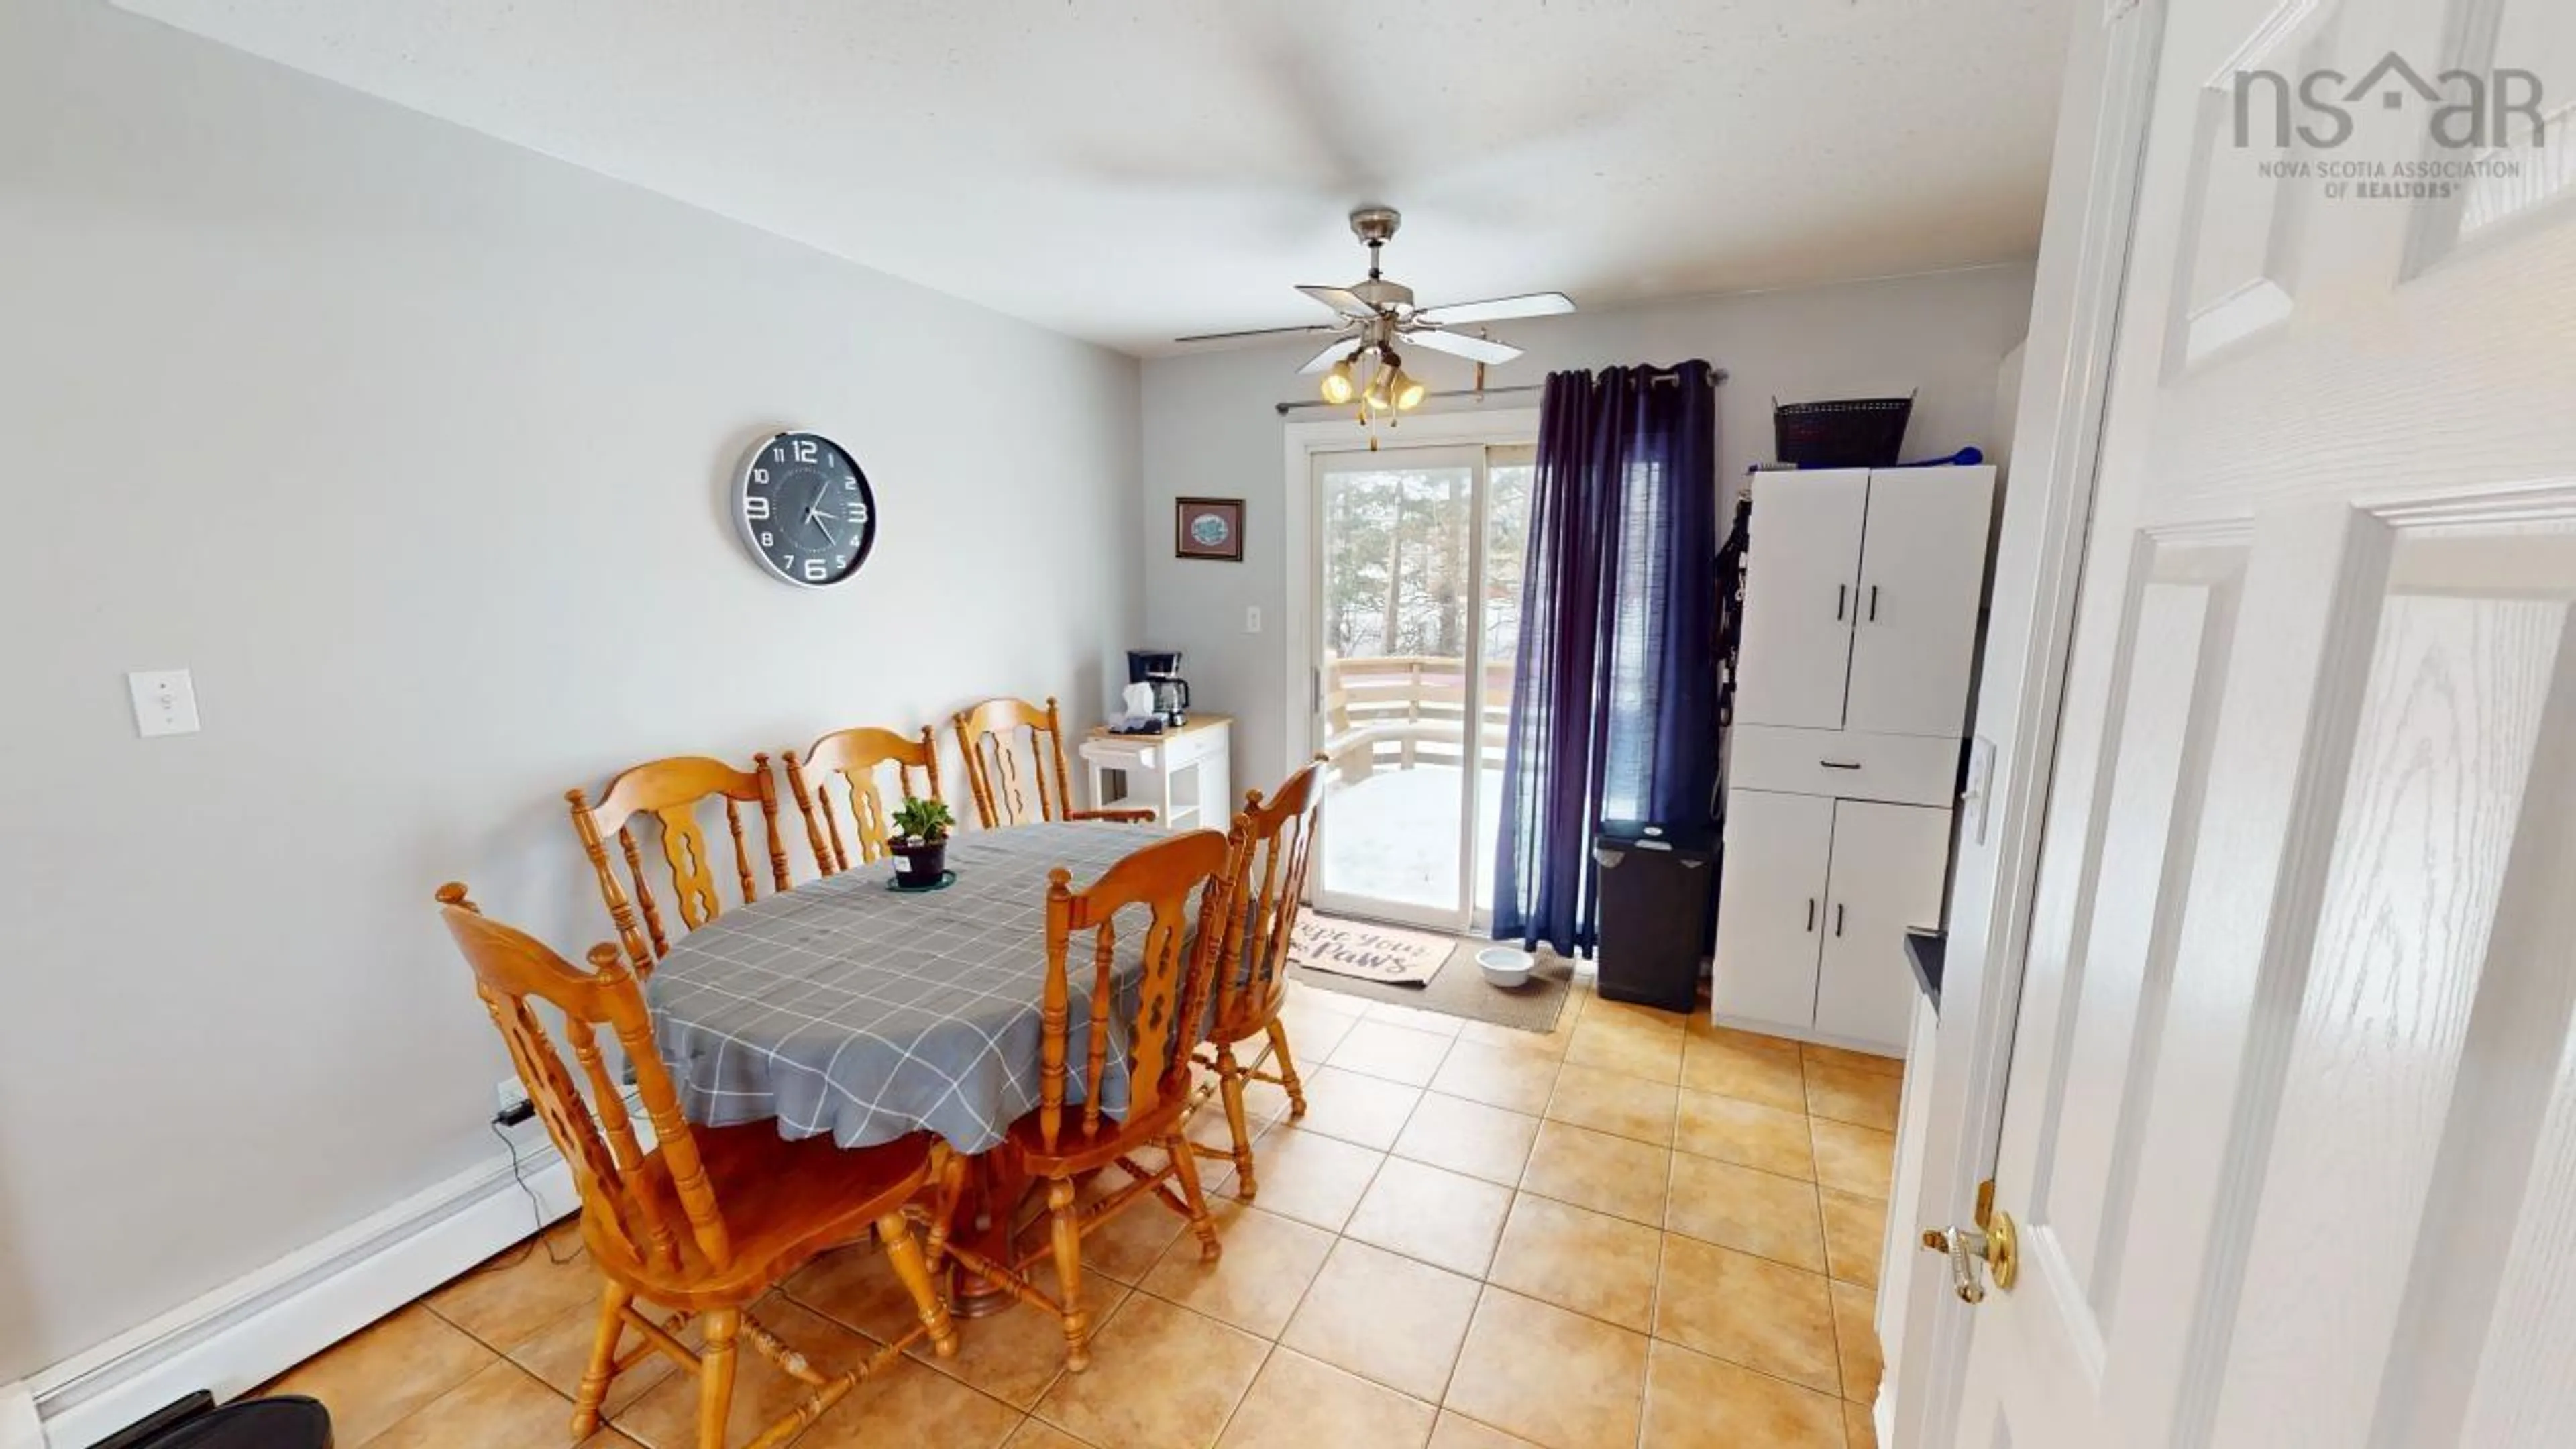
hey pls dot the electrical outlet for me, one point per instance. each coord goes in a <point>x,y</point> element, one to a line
<point>508,1096</point>
<point>1252,618</point>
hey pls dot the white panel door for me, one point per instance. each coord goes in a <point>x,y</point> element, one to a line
<point>1771,906</point>
<point>1922,573</point>
<point>1801,579</point>
<point>1887,872</point>
<point>2290,1132</point>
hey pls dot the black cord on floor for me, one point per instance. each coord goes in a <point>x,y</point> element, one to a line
<point>536,1210</point>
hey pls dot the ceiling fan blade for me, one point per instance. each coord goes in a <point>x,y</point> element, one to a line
<point>1459,344</point>
<point>1310,327</point>
<point>1333,352</point>
<point>1497,309</point>
<point>1342,300</point>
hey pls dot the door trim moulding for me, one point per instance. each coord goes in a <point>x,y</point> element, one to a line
<point>2083,274</point>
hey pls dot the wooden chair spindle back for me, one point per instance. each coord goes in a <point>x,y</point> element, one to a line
<point>1269,889</point>
<point>592,1129</point>
<point>1173,986</point>
<point>858,756</point>
<point>670,791</point>
<point>991,734</point>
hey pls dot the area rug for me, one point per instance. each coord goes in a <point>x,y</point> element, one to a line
<point>1456,987</point>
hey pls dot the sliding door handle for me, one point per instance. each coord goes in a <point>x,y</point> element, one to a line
<point>1838,919</point>
<point>1873,603</point>
<point>1842,600</point>
<point>1840,764</point>
<point>1811,914</point>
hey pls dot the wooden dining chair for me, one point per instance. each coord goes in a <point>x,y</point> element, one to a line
<point>671,791</point>
<point>992,735</point>
<point>1069,1135</point>
<point>1269,889</point>
<point>711,1218</point>
<point>858,757</point>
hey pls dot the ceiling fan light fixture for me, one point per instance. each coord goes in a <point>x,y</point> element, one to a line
<point>1339,386</point>
<point>1377,311</point>
<point>1403,390</point>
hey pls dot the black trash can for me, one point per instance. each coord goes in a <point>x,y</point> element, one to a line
<point>1658,895</point>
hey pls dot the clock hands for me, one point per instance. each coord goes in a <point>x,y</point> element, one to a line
<point>814,517</point>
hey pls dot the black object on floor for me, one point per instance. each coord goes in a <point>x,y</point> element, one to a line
<point>1658,891</point>
<point>289,1421</point>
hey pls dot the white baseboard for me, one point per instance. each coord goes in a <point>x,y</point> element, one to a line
<point>252,1329</point>
<point>19,1427</point>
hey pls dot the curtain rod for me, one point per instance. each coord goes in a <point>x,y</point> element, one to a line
<point>1716,375</point>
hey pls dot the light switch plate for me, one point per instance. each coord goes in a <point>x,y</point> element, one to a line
<point>165,702</point>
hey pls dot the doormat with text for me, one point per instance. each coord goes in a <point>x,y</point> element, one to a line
<point>1371,953</point>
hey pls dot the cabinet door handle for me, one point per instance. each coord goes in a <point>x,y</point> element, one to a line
<point>1838,918</point>
<point>1873,603</point>
<point>1811,914</point>
<point>1840,764</point>
<point>1842,600</point>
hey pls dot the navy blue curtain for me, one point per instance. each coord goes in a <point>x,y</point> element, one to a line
<point>1614,705</point>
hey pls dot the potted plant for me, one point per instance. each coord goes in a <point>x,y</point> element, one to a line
<point>921,838</point>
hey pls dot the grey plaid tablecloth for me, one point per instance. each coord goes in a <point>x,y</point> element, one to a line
<point>846,1008</point>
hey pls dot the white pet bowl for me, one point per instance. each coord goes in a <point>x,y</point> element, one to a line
<point>1506,965</point>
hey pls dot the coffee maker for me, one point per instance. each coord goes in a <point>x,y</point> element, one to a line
<point>1160,670</point>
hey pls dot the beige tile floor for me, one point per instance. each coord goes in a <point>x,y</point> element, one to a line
<point>1633,1233</point>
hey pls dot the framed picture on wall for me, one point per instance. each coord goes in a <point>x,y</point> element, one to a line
<point>1208,528</point>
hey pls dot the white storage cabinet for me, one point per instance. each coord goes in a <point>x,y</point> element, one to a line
<point>1862,590</point>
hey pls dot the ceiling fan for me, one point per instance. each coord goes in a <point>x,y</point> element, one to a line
<point>1361,364</point>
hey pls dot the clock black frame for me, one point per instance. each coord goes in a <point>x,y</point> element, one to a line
<point>835,462</point>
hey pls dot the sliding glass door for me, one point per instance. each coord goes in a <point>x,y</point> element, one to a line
<point>1417,587</point>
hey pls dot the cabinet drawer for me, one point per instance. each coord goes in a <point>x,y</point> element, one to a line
<point>1849,764</point>
<point>1197,744</point>
<point>1123,752</point>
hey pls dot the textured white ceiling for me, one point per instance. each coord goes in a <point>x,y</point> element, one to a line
<point>1129,171</point>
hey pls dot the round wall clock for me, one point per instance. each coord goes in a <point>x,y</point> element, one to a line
<point>805,510</point>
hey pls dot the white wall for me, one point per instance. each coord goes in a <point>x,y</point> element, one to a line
<point>1210,430</point>
<point>412,445</point>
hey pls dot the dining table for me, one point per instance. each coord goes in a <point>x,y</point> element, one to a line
<point>847,1007</point>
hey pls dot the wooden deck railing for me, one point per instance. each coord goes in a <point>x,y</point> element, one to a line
<point>1408,710</point>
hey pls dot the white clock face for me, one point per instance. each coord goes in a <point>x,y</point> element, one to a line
<point>805,511</point>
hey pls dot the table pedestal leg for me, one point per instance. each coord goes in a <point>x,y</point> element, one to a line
<point>995,1183</point>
